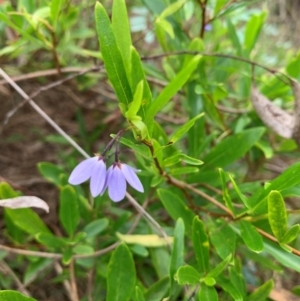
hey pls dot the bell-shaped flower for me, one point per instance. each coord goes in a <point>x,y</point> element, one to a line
<point>93,169</point>
<point>116,178</point>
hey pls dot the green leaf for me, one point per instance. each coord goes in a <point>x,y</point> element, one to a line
<point>220,267</point>
<point>135,105</point>
<point>251,237</point>
<point>184,129</point>
<point>35,268</point>
<point>183,170</point>
<point>176,208</point>
<point>68,209</point>
<point>139,148</point>
<point>207,293</point>
<point>243,198</point>
<point>226,196</point>
<point>177,255</point>
<point>223,239</point>
<point>232,148</point>
<point>9,295</point>
<point>253,29</point>
<point>55,10</point>
<point>261,293</point>
<point>229,288</point>
<point>190,160</point>
<point>171,9</point>
<point>158,290</point>
<point>95,227</point>
<point>187,275</point>
<point>121,276</point>
<point>121,31</point>
<point>50,240</point>
<point>200,245</point>
<point>50,172</point>
<point>138,295</point>
<point>137,74</point>
<point>112,57</point>
<point>277,214</point>
<point>162,25</point>
<point>291,234</point>
<point>170,90</point>
<point>234,37</point>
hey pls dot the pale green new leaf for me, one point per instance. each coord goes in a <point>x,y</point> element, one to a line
<point>277,214</point>
<point>291,234</point>
<point>10,295</point>
<point>55,9</point>
<point>171,9</point>
<point>135,105</point>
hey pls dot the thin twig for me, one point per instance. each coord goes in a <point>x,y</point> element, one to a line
<point>5,269</point>
<point>43,114</point>
<point>73,280</point>
<point>66,283</point>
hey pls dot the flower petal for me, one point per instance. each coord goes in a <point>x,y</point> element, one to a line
<point>132,178</point>
<point>83,171</point>
<point>116,184</point>
<point>98,178</point>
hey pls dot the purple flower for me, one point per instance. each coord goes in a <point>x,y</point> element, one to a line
<point>94,169</point>
<point>116,178</point>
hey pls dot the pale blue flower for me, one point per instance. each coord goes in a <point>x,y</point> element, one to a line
<point>116,178</point>
<point>93,169</point>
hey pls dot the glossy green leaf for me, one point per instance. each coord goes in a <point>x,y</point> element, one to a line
<point>226,196</point>
<point>170,90</point>
<point>220,267</point>
<point>187,275</point>
<point>177,255</point>
<point>176,208</point>
<point>9,295</point>
<point>112,57</point>
<point>251,237</point>
<point>95,227</point>
<point>68,209</point>
<point>121,30</point>
<point>232,148</point>
<point>207,293</point>
<point>184,129</point>
<point>200,245</point>
<point>261,293</point>
<point>253,29</point>
<point>209,281</point>
<point>291,234</point>
<point>121,276</point>
<point>190,160</point>
<point>158,290</point>
<point>277,214</point>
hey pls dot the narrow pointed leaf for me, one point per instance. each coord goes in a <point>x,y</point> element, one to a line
<point>171,89</point>
<point>112,57</point>
<point>251,237</point>
<point>242,197</point>
<point>171,9</point>
<point>121,276</point>
<point>291,234</point>
<point>220,267</point>
<point>177,255</point>
<point>277,214</point>
<point>147,240</point>
<point>262,293</point>
<point>138,295</point>
<point>121,30</point>
<point>187,275</point>
<point>158,290</point>
<point>229,288</point>
<point>226,196</point>
<point>200,244</point>
<point>25,202</point>
<point>184,129</point>
<point>137,101</point>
